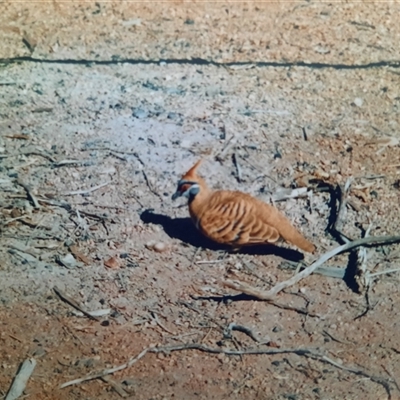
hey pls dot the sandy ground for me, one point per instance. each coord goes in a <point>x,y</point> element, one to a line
<point>104,105</point>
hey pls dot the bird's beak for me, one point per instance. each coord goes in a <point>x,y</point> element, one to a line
<point>176,195</point>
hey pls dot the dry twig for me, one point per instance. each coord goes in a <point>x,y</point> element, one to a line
<point>361,275</point>
<point>18,136</point>
<point>220,156</point>
<point>311,353</point>
<point>149,185</point>
<point>73,303</point>
<point>341,212</point>
<point>71,162</point>
<point>263,295</point>
<point>29,150</point>
<point>244,329</point>
<point>209,262</point>
<point>368,241</point>
<point>238,168</point>
<point>61,204</point>
<point>388,271</point>
<point>107,371</point>
<point>116,386</point>
<point>92,189</point>
<point>270,294</point>
<point>158,322</point>
<point>21,379</point>
<point>331,272</point>
<point>28,191</point>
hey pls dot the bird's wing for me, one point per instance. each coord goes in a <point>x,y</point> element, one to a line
<point>234,221</point>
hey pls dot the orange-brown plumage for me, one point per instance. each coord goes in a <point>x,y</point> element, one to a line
<point>236,218</point>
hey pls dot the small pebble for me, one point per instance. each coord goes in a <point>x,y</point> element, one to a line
<point>150,245</point>
<point>140,113</point>
<point>112,263</point>
<point>159,247</point>
<point>69,261</point>
<point>173,115</point>
<point>39,352</point>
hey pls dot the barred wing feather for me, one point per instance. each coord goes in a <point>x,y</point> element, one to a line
<point>235,221</point>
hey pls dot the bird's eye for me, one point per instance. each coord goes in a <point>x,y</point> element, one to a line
<point>184,187</point>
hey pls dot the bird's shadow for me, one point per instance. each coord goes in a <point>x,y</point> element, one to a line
<point>184,230</point>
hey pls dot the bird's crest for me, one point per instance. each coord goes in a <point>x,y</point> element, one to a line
<point>191,173</point>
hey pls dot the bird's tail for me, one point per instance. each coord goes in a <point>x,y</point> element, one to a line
<point>289,232</point>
